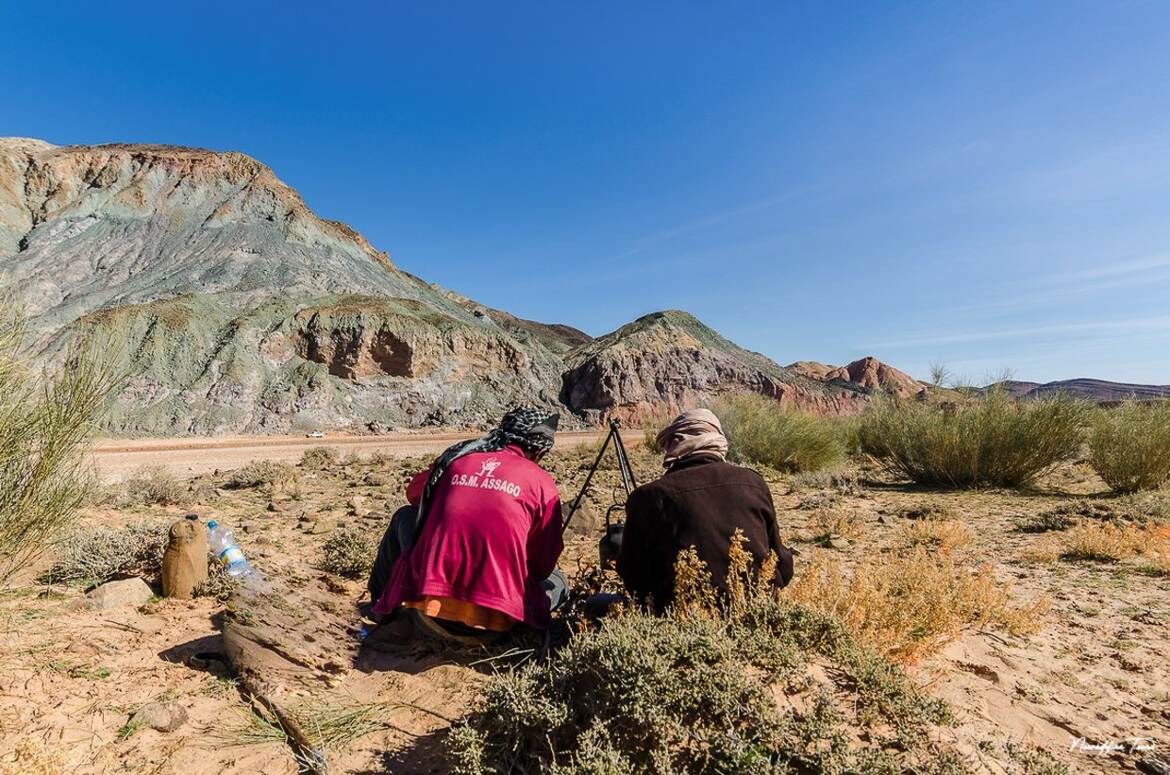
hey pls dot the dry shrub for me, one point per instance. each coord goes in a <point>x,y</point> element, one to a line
<point>761,431</point>
<point>151,486</point>
<point>1109,543</point>
<point>1131,446</point>
<point>945,534</point>
<point>693,692</point>
<point>925,510</point>
<point>45,423</point>
<point>348,552</point>
<point>992,441</point>
<point>910,605</point>
<point>260,473</point>
<point>827,524</point>
<point>317,458</point>
<point>96,555</point>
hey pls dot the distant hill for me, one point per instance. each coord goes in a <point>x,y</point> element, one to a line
<point>1092,389</point>
<point>671,358</point>
<point>236,309</point>
<point>868,373</point>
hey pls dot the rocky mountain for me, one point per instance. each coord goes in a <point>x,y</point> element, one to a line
<point>1091,389</point>
<point>671,358</point>
<point>868,372</point>
<point>235,309</point>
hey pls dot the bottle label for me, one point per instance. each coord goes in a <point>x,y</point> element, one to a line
<point>231,556</point>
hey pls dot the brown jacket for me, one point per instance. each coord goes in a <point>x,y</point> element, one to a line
<point>699,502</point>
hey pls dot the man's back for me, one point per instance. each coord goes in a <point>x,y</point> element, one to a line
<point>491,533</point>
<point>700,502</point>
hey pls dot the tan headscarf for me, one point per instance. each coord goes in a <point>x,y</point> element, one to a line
<point>696,431</point>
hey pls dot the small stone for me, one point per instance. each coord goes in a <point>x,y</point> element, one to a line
<point>837,542</point>
<point>275,507</point>
<point>161,716</point>
<point>115,594</point>
<point>358,507</point>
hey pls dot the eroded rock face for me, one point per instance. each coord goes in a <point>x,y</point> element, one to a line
<point>671,359</point>
<point>234,309</point>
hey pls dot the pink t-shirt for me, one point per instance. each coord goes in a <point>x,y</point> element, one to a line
<point>492,534</point>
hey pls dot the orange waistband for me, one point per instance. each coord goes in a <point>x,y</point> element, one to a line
<point>461,611</point>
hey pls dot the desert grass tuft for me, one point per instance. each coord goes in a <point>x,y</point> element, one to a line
<point>1107,542</point>
<point>991,441</point>
<point>318,458</point>
<point>1131,446</point>
<point>943,534</point>
<point>151,486</point>
<point>764,433</point>
<point>348,552</point>
<point>260,473</point>
<point>96,555</point>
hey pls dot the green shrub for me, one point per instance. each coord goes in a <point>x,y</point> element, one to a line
<point>96,555</point>
<point>991,441</point>
<point>316,458</point>
<point>45,423</point>
<point>259,473</point>
<point>762,432</point>
<point>348,552</point>
<point>1131,446</point>
<point>151,485</point>
<point>692,692</point>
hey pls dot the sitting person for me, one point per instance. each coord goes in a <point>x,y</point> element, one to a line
<point>478,549</point>
<point>699,502</point>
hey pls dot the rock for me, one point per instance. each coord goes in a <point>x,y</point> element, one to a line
<point>373,479</point>
<point>184,564</point>
<point>160,716</point>
<point>357,506</point>
<point>868,373</point>
<point>114,594</point>
<point>275,507</point>
<point>837,542</point>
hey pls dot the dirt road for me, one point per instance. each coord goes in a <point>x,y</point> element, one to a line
<point>115,458</point>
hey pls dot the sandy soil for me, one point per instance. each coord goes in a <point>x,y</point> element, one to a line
<point>115,458</point>
<point>1098,668</point>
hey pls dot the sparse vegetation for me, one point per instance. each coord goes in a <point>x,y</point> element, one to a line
<point>991,441</point>
<point>946,534</point>
<point>1107,542</point>
<point>260,473</point>
<point>44,424</point>
<point>151,486</point>
<point>684,693</point>
<point>911,604</point>
<point>348,553</point>
<point>317,458</point>
<point>96,555</point>
<point>761,432</point>
<point>1131,446</point>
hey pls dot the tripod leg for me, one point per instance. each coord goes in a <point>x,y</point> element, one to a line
<point>592,470</point>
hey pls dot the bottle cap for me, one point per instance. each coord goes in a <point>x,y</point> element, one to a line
<point>212,524</point>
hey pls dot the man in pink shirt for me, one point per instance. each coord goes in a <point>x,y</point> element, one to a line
<point>479,552</point>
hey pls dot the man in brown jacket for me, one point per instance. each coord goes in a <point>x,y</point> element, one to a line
<point>699,502</point>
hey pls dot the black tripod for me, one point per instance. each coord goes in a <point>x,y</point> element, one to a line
<point>611,541</point>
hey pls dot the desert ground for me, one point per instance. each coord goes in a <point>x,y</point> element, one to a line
<point>1094,666</point>
<point>115,458</point>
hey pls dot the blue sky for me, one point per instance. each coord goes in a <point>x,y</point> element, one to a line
<point>981,184</point>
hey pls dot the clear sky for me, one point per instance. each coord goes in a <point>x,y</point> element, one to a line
<point>985,184</point>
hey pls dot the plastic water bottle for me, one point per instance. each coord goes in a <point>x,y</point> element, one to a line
<point>223,547</point>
